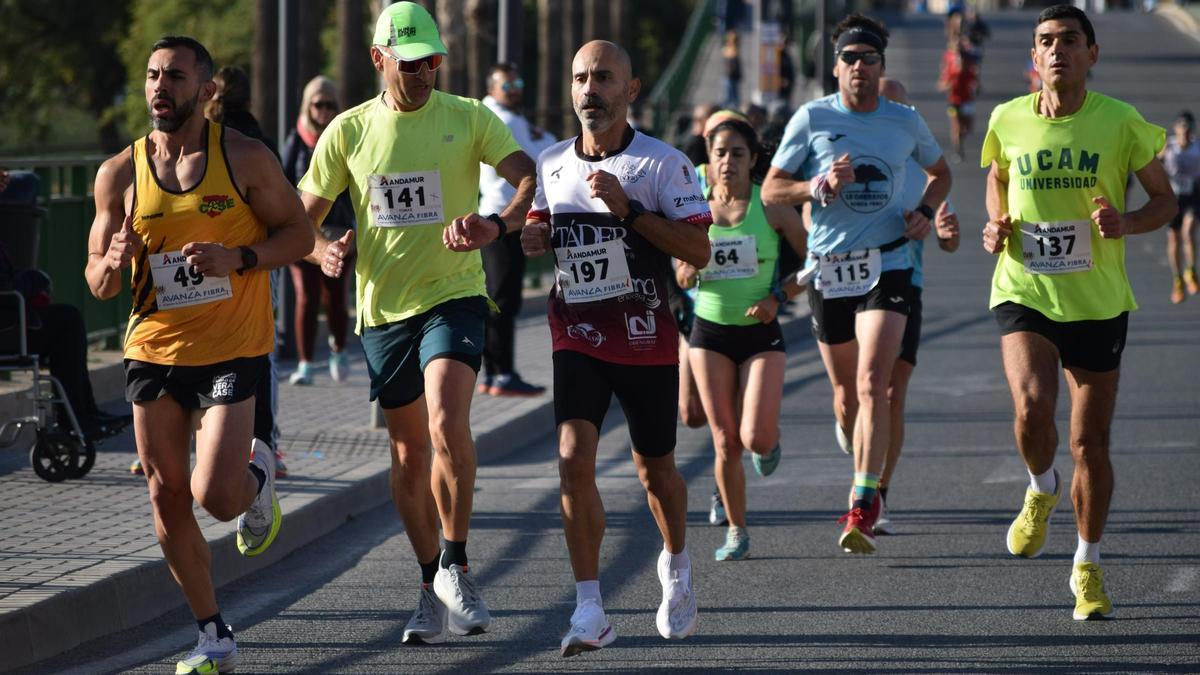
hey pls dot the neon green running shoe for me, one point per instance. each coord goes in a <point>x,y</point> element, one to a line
<point>212,654</point>
<point>1091,602</point>
<point>258,526</point>
<point>1027,534</point>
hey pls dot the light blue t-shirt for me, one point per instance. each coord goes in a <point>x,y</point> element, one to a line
<point>914,188</point>
<point>869,212</point>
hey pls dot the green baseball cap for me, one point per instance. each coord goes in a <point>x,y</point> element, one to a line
<point>409,30</point>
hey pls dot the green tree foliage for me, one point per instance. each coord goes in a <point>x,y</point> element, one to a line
<point>58,58</point>
<point>224,27</point>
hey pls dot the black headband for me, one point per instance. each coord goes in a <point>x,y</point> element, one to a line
<point>859,36</point>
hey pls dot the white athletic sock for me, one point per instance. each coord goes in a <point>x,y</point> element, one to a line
<point>679,561</point>
<point>588,590</point>
<point>1044,483</point>
<point>1087,551</point>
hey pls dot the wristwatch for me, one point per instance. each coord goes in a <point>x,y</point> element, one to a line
<point>635,209</point>
<point>924,210</point>
<point>249,259</point>
<point>495,218</point>
<point>779,294</point>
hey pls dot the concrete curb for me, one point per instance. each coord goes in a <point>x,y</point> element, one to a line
<point>132,597</point>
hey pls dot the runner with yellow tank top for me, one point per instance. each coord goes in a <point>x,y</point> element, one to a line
<point>200,213</point>
<point>1058,162</point>
<point>736,347</point>
<point>410,158</point>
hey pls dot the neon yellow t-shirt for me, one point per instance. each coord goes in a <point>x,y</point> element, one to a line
<point>409,174</point>
<point>1055,168</point>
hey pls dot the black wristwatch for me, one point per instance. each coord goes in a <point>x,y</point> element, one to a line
<point>780,295</point>
<point>249,259</point>
<point>924,210</point>
<point>495,218</point>
<point>635,209</point>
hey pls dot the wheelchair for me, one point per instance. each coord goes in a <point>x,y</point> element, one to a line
<point>61,450</point>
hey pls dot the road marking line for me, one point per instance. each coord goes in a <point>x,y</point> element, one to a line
<point>1184,580</point>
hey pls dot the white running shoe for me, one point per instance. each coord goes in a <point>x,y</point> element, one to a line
<point>467,611</point>
<point>428,624</point>
<point>589,630</point>
<point>211,655</point>
<point>843,442</point>
<point>257,527</point>
<point>883,524</point>
<point>302,376</point>
<point>339,366</point>
<point>677,615</point>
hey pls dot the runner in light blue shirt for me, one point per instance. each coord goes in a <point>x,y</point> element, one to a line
<point>850,151</point>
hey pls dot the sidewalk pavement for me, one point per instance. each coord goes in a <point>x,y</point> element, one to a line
<point>79,560</point>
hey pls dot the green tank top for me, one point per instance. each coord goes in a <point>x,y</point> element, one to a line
<point>741,268</point>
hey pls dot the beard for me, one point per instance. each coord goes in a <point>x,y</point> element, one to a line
<point>596,119</point>
<point>177,117</point>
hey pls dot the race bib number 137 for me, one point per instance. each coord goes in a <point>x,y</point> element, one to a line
<point>403,199</point>
<point>1057,248</point>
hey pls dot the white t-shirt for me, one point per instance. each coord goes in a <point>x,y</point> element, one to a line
<point>495,192</point>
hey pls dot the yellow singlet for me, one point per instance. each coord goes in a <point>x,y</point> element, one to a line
<point>179,317</point>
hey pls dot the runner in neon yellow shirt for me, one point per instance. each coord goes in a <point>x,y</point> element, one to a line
<point>1059,159</point>
<point>410,158</point>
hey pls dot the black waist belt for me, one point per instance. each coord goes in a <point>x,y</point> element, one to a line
<point>893,245</point>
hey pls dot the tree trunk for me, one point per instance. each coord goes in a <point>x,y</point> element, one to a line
<point>618,22</point>
<point>572,40</point>
<point>453,75</point>
<point>264,75</point>
<point>353,61</point>
<point>550,58</point>
<point>596,20</point>
<point>481,44</point>
<point>306,48</point>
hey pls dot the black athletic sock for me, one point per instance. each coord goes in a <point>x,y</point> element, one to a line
<point>222,629</point>
<point>455,553</point>
<point>259,475</point>
<point>883,494</point>
<point>429,570</point>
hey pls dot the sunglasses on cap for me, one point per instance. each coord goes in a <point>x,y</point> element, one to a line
<point>432,62</point>
<point>851,58</point>
<point>514,85</point>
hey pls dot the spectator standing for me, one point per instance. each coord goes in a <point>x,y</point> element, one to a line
<point>733,69</point>
<point>318,107</point>
<point>1181,157</point>
<point>503,261</point>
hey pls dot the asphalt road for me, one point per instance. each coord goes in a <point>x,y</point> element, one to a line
<point>942,594</point>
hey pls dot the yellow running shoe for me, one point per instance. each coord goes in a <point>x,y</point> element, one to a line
<point>1091,602</point>
<point>1027,534</point>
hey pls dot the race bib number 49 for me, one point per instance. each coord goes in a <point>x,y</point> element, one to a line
<point>178,284</point>
<point>403,199</point>
<point>595,272</point>
<point>1057,248</point>
<point>847,275</point>
<point>732,258</point>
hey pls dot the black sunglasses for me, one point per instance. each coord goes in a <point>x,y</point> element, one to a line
<point>851,58</point>
<point>324,105</point>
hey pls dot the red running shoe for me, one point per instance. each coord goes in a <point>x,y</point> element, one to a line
<point>859,535</point>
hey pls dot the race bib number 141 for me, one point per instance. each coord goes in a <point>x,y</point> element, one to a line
<point>403,199</point>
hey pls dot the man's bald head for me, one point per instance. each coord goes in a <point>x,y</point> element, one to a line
<point>893,90</point>
<point>602,85</point>
<point>611,54</point>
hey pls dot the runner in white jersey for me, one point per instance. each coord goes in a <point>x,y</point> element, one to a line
<point>614,206</point>
<point>852,150</point>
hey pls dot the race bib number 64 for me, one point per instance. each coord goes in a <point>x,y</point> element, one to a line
<point>403,199</point>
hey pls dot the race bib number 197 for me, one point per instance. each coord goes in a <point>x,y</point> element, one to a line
<point>403,199</point>
<point>178,284</point>
<point>1057,248</point>
<point>595,272</point>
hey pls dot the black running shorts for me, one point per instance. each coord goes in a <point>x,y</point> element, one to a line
<point>833,320</point>
<point>584,387</point>
<point>196,387</point>
<point>912,330</point>
<point>738,343</point>
<point>1090,345</point>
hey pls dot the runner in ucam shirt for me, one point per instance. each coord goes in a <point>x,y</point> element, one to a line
<point>614,207</point>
